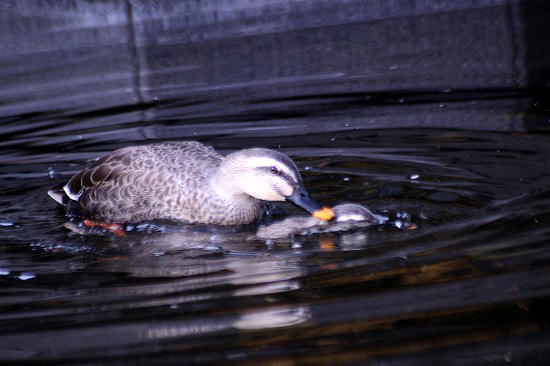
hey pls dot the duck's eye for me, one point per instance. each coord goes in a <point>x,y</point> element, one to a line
<point>274,170</point>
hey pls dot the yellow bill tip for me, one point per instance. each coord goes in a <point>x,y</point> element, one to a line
<point>324,214</point>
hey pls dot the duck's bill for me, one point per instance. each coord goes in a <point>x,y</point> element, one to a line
<point>324,214</point>
<point>301,199</point>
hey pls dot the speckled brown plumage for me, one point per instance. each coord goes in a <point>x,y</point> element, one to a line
<point>182,181</point>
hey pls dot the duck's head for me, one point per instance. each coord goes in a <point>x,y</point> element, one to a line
<point>348,212</point>
<point>269,176</point>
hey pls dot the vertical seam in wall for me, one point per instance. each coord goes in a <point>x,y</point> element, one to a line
<point>136,64</point>
<point>518,42</point>
<point>519,66</point>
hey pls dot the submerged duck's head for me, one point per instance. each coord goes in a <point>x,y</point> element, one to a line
<point>269,176</point>
<point>346,215</point>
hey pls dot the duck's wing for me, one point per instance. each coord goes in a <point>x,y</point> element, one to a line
<point>118,186</point>
<point>102,171</point>
<point>133,159</point>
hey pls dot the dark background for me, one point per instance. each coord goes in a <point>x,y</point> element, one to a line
<point>432,113</point>
<point>241,58</point>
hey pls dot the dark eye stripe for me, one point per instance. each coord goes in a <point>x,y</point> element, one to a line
<point>290,179</point>
<point>283,174</point>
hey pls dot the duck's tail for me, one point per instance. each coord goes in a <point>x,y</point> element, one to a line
<point>58,194</point>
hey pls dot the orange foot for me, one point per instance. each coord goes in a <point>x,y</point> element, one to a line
<point>115,228</point>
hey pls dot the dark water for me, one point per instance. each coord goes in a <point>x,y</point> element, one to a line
<point>433,114</point>
<point>460,274</point>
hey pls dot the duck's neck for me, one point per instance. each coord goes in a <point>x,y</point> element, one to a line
<point>227,186</point>
<point>239,206</point>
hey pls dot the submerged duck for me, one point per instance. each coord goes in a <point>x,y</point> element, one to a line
<point>345,213</point>
<point>184,181</point>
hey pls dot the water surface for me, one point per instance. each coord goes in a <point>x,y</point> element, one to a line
<point>459,274</point>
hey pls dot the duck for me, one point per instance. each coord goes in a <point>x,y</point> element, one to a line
<point>184,181</point>
<point>345,215</point>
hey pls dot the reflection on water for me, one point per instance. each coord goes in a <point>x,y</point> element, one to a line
<point>460,267</point>
<point>366,100</point>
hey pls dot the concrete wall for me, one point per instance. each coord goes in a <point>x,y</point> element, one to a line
<point>89,55</point>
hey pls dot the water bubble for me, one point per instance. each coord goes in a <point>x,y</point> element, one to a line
<point>307,168</point>
<point>382,219</point>
<point>414,176</point>
<point>404,215</point>
<point>52,173</point>
<point>442,105</point>
<point>159,254</point>
<point>6,223</point>
<point>346,179</point>
<point>508,357</point>
<point>4,271</point>
<point>333,139</point>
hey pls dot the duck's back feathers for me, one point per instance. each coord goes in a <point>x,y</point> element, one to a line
<point>133,183</point>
